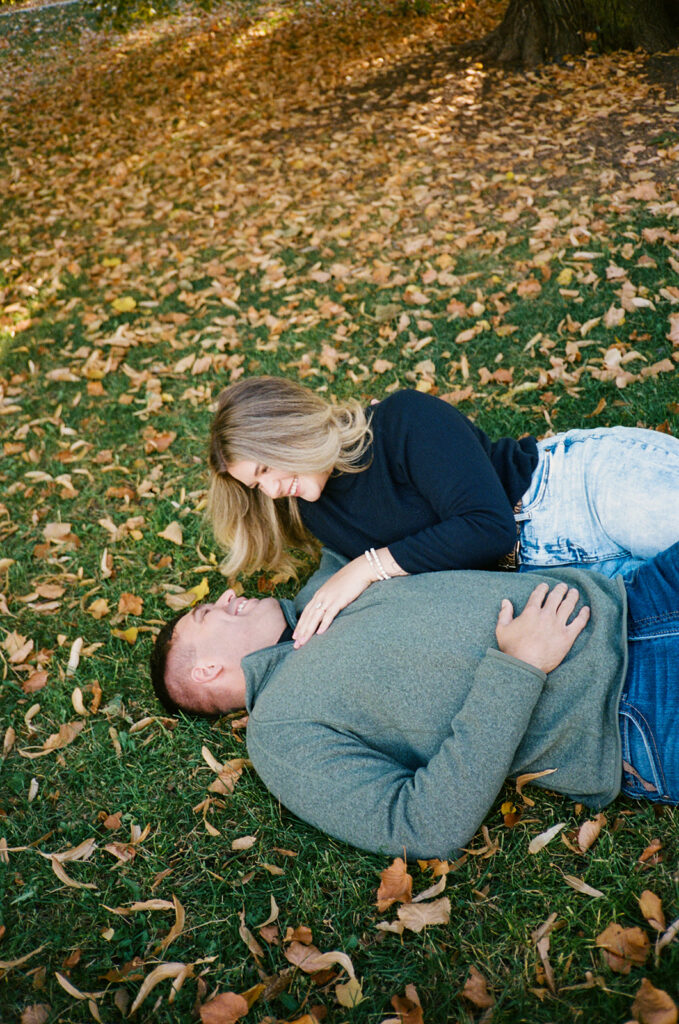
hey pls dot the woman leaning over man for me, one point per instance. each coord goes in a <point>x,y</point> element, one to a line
<point>411,485</point>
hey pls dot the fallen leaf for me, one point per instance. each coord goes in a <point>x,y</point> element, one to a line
<point>653,1005</point>
<point>623,948</point>
<point>396,884</point>
<point>310,959</point>
<point>416,916</point>
<point>349,994</point>
<point>408,1007</point>
<point>224,1008</point>
<point>130,604</point>
<point>38,1013</point>
<point>580,886</point>
<point>173,533</point>
<point>99,608</point>
<point>539,842</point>
<point>476,990</point>
<point>588,833</point>
<point>528,777</point>
<point>651,908</point>
<point>178,971</point>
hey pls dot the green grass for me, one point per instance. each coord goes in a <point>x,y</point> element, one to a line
<point>246,181</point>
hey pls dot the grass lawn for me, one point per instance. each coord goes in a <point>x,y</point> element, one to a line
<point>339,193</point>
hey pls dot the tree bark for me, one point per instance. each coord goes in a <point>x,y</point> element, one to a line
<point>536,30</point>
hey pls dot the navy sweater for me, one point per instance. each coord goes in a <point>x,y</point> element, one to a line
<point>437,491</point>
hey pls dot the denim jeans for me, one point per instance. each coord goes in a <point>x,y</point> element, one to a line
<point>604,499</point>
<point>649,707</point>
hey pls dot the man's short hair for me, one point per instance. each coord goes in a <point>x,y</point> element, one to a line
<point>158,664</point>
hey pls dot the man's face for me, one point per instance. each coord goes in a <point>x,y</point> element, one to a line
<point>220,634</point>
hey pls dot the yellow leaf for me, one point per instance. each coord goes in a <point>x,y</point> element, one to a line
<point>201,589</point>
<point>99,608</point>
<point>130,634</point>
<point>125,304</point>
<point>350,994</point>
<point>111,261</point>
<point>565,277</point>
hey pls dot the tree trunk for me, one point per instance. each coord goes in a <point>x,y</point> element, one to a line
<point>537,30</point>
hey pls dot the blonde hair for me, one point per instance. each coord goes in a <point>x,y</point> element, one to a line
<point>280,424</point>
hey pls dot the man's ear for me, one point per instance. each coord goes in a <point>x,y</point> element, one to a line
<point>205,673</point>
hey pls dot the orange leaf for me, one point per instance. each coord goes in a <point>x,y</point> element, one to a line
<point>476,990</point>
<point>651,908</point>
<point>396,884</point>
<point>654,1005</point>
<point>623,948</point>
<point>225,1008</point>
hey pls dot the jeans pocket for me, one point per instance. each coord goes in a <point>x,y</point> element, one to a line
<point>642,774</point>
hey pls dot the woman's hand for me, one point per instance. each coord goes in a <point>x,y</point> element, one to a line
<point>336,593</point>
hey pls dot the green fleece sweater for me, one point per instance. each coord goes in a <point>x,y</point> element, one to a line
<point>397,728</point>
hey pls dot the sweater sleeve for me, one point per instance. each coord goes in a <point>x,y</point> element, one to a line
<point>342,785</point>
<point>441,455</point>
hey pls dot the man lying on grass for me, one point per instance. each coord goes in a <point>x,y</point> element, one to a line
<point>398,726</point>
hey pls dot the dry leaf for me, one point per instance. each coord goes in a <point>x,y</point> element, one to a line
<point>396,884</point>
<point>539,842</point>
<point>224,1008</point>
<point>524,780</point>
<point>653,1005</point>
<point>248,938</point>
<point>623,948</point>
<point>38,1013</point>
<point>588,833</point>
<point>580,886</point>
<point>416,916</point>
<point>177,971</point>
<point>310,959</point>
<point>476,990</point>
<point>130,604</point>
<point>244,843</point>
<point>173,533</point>
<point>349,994</point>
<point>408,1007</point>
<point>651,908</point>
<point>57,741</point>
<point>99,608</point>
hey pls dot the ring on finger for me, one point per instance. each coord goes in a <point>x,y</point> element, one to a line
<point>319,604</point>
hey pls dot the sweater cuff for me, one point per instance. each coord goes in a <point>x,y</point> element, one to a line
<point>518,663</point>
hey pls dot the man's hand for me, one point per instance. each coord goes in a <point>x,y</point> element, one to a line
<point>541,635</point>
<point>341,589</point>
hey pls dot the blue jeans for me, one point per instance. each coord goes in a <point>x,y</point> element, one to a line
<point>604,499</point>
<point>649,707</point>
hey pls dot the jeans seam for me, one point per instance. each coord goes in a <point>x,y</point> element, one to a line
<point>648,739</point>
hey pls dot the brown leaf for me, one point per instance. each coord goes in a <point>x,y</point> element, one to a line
<point>416,916</point>
<point>524,780</point>
<point>623,948</point>
<point>396,884</point>
<point>99,608</point>
<point>310,959</point>
<point>654,1005</point>
<point>38,1013</point>
<point>651,908</point>
<point>408,1007</point>
<point>57,741</point>
<point>130,604</point>
<point>300,934</point>
<point>225,1008</point>
<point>476,990</point>
<point>653,848</point>
<point>36,681</point>
<point>588,833</point>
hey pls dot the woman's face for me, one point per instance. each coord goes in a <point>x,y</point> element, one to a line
<point>278,483</point>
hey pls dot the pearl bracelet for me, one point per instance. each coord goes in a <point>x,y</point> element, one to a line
<point>376,565</point>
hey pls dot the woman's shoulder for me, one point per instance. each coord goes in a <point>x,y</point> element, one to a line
<point>409,406</point>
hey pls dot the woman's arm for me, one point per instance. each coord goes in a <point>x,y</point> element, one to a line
<point>341,589</point>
